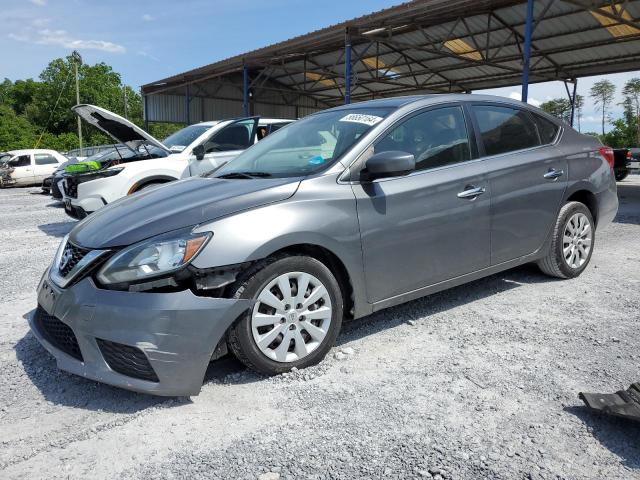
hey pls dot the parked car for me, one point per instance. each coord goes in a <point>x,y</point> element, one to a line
<point>633,160</point>
<point>29,167</point>
<point>621,158</point>
<point>106,159</point>
<point>190,151</point>
<point>341,214</point>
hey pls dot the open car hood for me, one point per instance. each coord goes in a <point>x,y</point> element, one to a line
<point>118,128</point>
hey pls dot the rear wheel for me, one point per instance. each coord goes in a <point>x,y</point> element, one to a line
<point>572,242</point>
<point>621,175</point>
<point>295,319</point>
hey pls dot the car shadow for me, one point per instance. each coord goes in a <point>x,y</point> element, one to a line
<point>66,389</point>
<point>57,229</point>
<point>621,437</point>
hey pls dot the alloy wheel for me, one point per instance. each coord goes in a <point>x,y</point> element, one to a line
<point>291,316</point>
<point>577,240</point>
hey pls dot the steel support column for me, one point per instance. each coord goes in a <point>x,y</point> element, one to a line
<point>573,100</point>
<point>347,69</point>
<point>528,29</point>
<point>245,90</point>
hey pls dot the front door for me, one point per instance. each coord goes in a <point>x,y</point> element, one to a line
<point>22,170</point>
<point>433,224</point>
<point>225,145</point>
<point>527,177</point>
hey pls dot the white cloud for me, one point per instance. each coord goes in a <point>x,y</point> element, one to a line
<point>148,18</point>
<point>40,22</point>
<point>40,3</point>
<point>530,100</point>
<point>63,39</point>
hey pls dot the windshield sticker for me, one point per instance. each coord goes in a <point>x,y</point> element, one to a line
<point>362,118</point>
<point>317,160</point>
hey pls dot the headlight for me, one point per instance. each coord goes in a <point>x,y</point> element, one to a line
<point>154,257</point>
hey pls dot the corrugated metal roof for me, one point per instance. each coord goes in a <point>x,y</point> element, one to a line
<point>429,45</point>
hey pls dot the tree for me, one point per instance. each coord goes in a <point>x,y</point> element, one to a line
<point>602,93</point>
<point>15,130</point>
<point>579,109</point>
<point>558,107</point>
<point>631,92</point>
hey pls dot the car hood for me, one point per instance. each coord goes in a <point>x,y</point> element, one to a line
<point>117,127</point>
<point>176,205</point>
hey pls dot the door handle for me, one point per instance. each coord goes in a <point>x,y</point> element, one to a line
<point>552,174</point>
<point>471,192</point>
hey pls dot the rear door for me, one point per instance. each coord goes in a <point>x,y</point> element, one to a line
<point>426,227</point>
<point>43,165</point>
<point>224,145</point>
<point>527,177</point>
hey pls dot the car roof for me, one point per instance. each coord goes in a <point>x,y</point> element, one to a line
<point>397,102</point>
<point>26,151</point>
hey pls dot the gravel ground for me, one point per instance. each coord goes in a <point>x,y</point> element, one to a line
<point>480,381</point>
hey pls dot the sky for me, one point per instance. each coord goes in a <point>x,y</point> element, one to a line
<point>148,40</point>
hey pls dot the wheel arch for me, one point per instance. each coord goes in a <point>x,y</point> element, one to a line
<point>151,179</point>
<point>583,194</point>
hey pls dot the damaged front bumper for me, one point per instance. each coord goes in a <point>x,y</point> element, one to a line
<point>6,180</point>
<point>158,343</point>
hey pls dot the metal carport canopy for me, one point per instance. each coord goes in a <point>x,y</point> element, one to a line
<point>429,46</point>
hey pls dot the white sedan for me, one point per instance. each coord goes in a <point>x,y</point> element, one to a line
<point>29,167</point>
<point>191,151</point>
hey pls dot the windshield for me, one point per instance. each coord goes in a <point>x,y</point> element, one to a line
<point>4,158</point>
<point>185,137</point>
<point>306,146</point>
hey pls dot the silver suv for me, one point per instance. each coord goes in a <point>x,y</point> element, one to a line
<point>333,217</point>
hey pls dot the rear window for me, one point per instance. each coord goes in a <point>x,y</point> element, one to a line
<point>546,128</point>
<point>505,129</point>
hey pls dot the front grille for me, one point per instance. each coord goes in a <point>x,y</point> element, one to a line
<point>57,333</point>
<point>127,360</point>
<point>70,258</point>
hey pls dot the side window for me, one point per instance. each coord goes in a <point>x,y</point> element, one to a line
<point>505,129</point>
<point>236,136</point>
<point>45,159</point>
<point>435,138</point>
<point>21,161</point>
<point>546,128</point>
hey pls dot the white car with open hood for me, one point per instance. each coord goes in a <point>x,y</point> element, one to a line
<point>194,150</point>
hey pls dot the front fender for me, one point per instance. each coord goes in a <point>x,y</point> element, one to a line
<point>321,213</point>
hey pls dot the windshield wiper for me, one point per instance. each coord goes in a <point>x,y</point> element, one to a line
<point>245,175</point>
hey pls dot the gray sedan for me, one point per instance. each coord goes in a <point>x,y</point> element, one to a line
<point>341,214</point>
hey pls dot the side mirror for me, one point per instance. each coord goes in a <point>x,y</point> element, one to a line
<point>198,151</point>
<point>389,164</point>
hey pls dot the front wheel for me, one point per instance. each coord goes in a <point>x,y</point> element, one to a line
<point>295,319</point>
<point>572,242</point>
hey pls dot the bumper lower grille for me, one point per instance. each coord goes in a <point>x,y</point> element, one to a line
<point>127,360</point>
<point>57,333</point>
<point>71,187</point>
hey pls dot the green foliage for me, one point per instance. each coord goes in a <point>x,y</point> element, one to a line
<point>41,109</point>
<point>163,130</point>
<point>558,107</point>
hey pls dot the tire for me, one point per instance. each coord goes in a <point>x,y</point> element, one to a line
<point>556,263</point>
<point>621,175</point>
<point>293,327</point>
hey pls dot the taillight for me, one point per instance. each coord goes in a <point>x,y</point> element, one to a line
<point>629,156</point>
<point>607,153</point>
